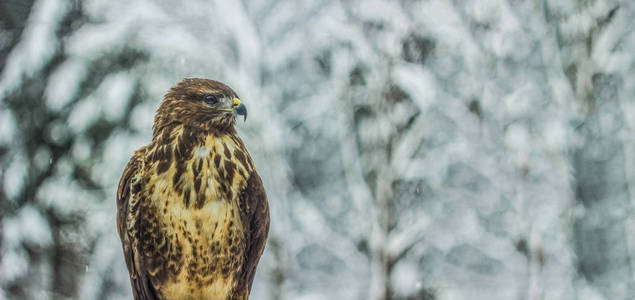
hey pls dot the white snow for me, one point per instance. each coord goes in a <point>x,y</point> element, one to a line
<point>14,176</point>
<point>64,83</point>
<point>37,46</point>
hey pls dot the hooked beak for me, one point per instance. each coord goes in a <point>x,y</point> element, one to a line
<point>239,108</point>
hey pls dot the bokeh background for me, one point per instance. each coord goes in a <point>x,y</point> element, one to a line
<point>410,149</point>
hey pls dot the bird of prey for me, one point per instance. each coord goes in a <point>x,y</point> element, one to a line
<point>192,213</point>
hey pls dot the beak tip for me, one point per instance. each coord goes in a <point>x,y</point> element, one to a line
<point>241,110</point>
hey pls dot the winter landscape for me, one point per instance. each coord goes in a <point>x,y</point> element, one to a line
<point>410,149</point>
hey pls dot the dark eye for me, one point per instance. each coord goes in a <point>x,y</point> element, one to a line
<point>211,99</point>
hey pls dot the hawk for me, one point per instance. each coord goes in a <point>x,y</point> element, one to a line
<point>192,213</point>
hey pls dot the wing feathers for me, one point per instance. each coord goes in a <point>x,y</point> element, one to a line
<point>255,216</point>
<point>128,205</point>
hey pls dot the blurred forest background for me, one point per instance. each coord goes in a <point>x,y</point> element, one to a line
<point>410,149</point>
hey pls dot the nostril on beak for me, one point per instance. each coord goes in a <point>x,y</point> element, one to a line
<point>236,102</point>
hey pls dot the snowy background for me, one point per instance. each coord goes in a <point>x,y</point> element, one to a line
<point>410,149</point>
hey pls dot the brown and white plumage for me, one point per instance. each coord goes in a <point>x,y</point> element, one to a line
<point>192,213</point>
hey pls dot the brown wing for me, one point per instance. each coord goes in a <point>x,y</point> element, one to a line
<point>128,200</point>
<point>255,217</point>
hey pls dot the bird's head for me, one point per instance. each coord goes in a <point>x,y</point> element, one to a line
<point>202,103</point>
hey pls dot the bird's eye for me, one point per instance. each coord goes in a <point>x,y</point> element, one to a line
<point>211,99</point>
